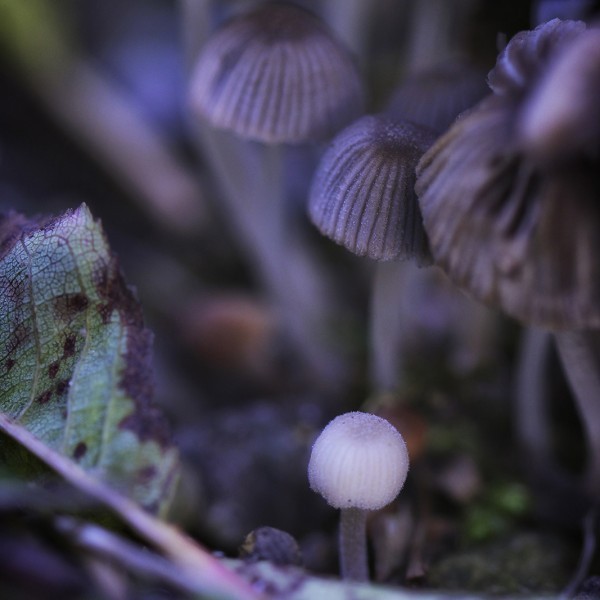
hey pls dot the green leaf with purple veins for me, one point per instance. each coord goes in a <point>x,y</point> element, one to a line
<point>75,355</point>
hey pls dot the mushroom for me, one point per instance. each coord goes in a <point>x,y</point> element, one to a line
<point>276,75</point>
<point>273,77</point>
<point>359,463</point>
<point>517,226</point>
<point>362,197</point>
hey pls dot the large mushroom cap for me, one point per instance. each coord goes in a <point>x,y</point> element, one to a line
<point>276,75</point>
<point>362,196</point>
<point>562,116</point>
<point>359,461</point>
<point>515,234</point>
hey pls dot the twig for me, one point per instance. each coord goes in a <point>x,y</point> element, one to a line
<point>199,566</point>
<point>106,545</point>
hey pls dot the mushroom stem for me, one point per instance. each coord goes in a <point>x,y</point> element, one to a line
<point>386,339</point>
<point>353,544</point>
<point>251,182</point>
<point>198,19</point>
<point>580,354</point>
<point>531,393</point>
<point>271,202</point>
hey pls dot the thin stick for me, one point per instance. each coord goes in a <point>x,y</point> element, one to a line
<point>109,546</point>
<point>199,566</point>
<point>99,117</point>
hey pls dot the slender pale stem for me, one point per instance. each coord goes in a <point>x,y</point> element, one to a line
<point>251,178</point>
<point>586,557</point>
<point>437,32</point>
<point>386,339</point>
<point>272,203</point>
<point>580,355</point>
<point>532,424</point>
<point>198,20</point>
<point>353,544</point>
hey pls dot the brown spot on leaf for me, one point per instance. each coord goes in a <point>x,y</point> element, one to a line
<point>68,306</point>
<point>9,364</point>
<point>69,346</point>
<point>146,474</point>
<point>80,450</point>
<point>61,386</point>
<point>53,369</point>
<point>152,508</point>
<point>17,337</point>
<point>115,294</point>
<point>44,397</point>
<point>146,421</point>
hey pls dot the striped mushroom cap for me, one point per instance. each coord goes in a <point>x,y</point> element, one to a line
<point>515,233</point>
<point>276,75</point>
<point>362,196</point>
<point>359,461</point>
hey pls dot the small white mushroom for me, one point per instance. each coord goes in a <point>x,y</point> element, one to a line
<point>358,463</point>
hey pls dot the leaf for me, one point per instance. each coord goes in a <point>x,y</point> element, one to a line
<point>194,564</point>
<point>75,357</point>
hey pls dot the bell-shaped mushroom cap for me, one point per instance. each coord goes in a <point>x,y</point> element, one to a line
<point>519,237</point>
<point>528,55</point>
<point>562,116</point>
<point>362,196</point>
<point>435,97</point>
<point>276,75</point>
<point>359,461</point>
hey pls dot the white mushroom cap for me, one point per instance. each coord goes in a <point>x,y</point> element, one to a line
<point>359,461</point>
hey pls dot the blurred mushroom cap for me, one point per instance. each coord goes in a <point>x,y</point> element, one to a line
<point>435,97</point>
<point>276,75</point>
<point>514,234</point>
<point>362,196</point>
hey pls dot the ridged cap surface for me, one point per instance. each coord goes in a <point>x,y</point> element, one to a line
<point>276,75</point>
<point>362,195</point>
<point>359,461</point>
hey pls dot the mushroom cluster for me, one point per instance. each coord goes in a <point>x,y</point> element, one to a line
<point>509,197</point>
<point>516,230</point>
